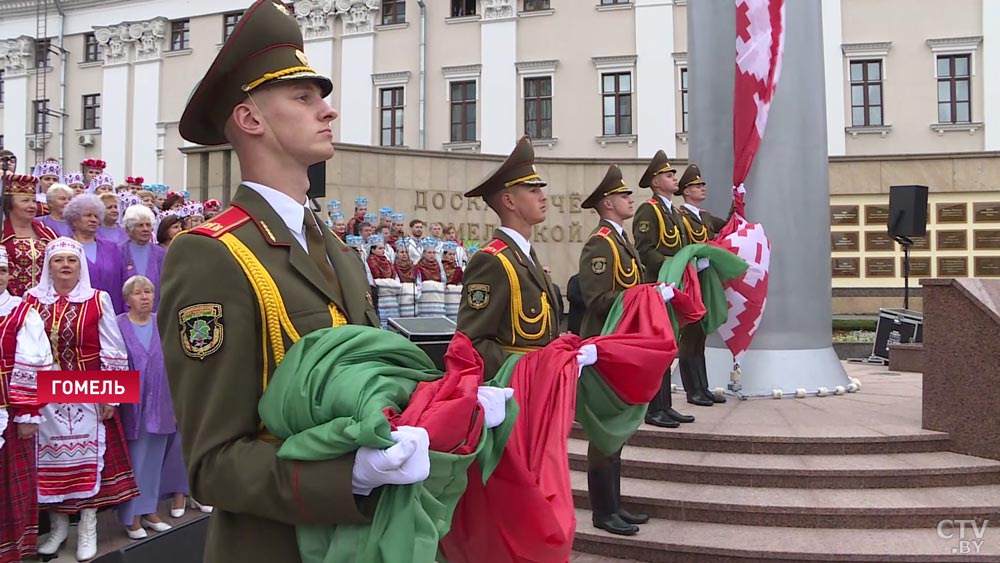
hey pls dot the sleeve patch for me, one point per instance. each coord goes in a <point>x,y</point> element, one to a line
<point>598,265</point>
<point>201,329</point>
<point>478,295</point>
<point>643,226</point>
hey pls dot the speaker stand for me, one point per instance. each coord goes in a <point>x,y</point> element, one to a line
<point>906,243</point>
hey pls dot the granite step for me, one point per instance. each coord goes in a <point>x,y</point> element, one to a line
<point>861,471</point>
<point>687,437</point>
<point>672,541</point>
<point>802,508</point>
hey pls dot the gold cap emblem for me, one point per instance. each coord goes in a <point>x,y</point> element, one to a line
<point>302,57</point>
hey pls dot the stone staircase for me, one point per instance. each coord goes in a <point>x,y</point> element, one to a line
<point>858,494</point>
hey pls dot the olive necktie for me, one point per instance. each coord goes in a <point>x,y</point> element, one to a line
<point>316,248</point>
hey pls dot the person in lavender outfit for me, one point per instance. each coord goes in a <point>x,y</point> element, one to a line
<point>139,255</point>
<point>85,213</point>
<point>150,423</point>
<point>110,229</point>
<point>58,196</point>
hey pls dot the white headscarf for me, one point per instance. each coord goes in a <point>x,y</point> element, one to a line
<point>45,291</point>
<point>4,260</point>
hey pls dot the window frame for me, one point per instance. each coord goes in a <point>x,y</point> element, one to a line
<point>184,34</point>
<point>464,103</point>
<point>953,79</point>
<point>682,87</point>
<point>865,84</point>
<point>1,86</point>
<point>94,111</point>
<point>43,46</point>
<point>463,8</point>
<point>91,48</point>
<point>614,2</point>
<point>228,27</point>
<point>536,5</point>
<point>539,101</point>
<point>40,117</point>
<point>392,109</point>
<point>393,12</point>
<point>618,95</point>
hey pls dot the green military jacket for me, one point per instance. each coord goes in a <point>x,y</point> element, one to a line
<point>220,351</point>
<point>658,235</point>
<point>509,304</point>
<point>699,227</point>
<point>608,266</point>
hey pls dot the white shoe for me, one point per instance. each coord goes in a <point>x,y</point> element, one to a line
<point>177,512</point>
<point>86,546</point>
<point>156,526</point>
<point>137,534</point>
<point>202,507</point>
<point>59,531</point>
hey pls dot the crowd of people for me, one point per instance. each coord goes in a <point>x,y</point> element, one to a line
<point>79,285</point>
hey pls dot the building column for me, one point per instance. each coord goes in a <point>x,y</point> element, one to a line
<point>114,43</point>
<point>357,66</point>
<point>316,20</point>
<point>991,75</point>
<point>655,85</point>
<point>833,64</point>
<point>498,80</point>
<point>16,56</point>
<point>148,37</point>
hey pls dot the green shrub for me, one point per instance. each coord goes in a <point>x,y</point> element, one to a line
<point>854,324</point>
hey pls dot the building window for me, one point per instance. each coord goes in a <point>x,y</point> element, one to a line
<point>92,111</point>
<point>461,8</point>
<point>40,111</point>
<point>536,5</point>
<point>392,116</point>
<point>538,107</point>
<point>614,2</point>
<point>866,93</point>
<point>229,22</point>
<point>393,12</point>
<point>42,53</point>
<point>1,85</point>
<point>954,88</point>
<point>463,111</point>
<point>617,99</point>
<point>91,53</point>
<point>180,35</point>
<point>684,99</point>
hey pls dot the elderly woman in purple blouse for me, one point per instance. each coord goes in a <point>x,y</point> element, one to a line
<point>84,213</point>
<point>139,255</point>
<point>150,423</point>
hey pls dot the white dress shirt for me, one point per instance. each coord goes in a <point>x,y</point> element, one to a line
<point>666,200</point>
<point>290,211</point>
<point>520,241</point>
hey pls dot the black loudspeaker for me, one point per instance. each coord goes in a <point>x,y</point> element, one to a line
<point>907,211</point>
<point>317,180</point>
<point>181,544</point>
<point>430,334</point>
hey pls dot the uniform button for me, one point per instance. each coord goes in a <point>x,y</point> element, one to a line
<point>532,310</point>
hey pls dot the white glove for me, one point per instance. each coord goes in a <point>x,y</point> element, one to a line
<point>740,189</point>
<point>586,356</point>
<point>667,291</point>
<point>494,402</point>
<point>405,463</point>
<point>702,264</point>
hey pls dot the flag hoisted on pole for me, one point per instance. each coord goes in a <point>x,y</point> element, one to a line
<point>760,34</point>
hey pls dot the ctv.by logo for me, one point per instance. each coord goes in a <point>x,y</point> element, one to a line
<point>967,529</point>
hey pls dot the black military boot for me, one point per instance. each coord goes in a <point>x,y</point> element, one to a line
<point>660,406</point>
<point>692,383</point>
<point>637,518</point>
<point>601,491</point>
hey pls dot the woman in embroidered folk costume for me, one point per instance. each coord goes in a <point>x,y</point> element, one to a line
<point>428,268</point>
<point>24,238</point>
<point>378,262</point>
<point>101,184</point>
<point>83,333</point>
<point>75,182</point>
<point>104,260</point>
<point>24,350</point>
<point>404,268</point>
<point>92,168</point>
<point>449,261</point>
<point>149,424</point>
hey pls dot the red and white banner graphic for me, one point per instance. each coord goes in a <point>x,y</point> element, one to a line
<point>760,43</point>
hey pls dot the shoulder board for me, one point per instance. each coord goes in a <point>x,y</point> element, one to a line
<point>222,223</point>
<point>603,232</point>
<point>651,201</point>
<point>494,247</point>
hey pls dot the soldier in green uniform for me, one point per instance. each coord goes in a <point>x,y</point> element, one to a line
<point>608,266</point>
<point>658,237</point>
<point>509,304</point>
<point>241,288</point>
<point>698,226</point>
